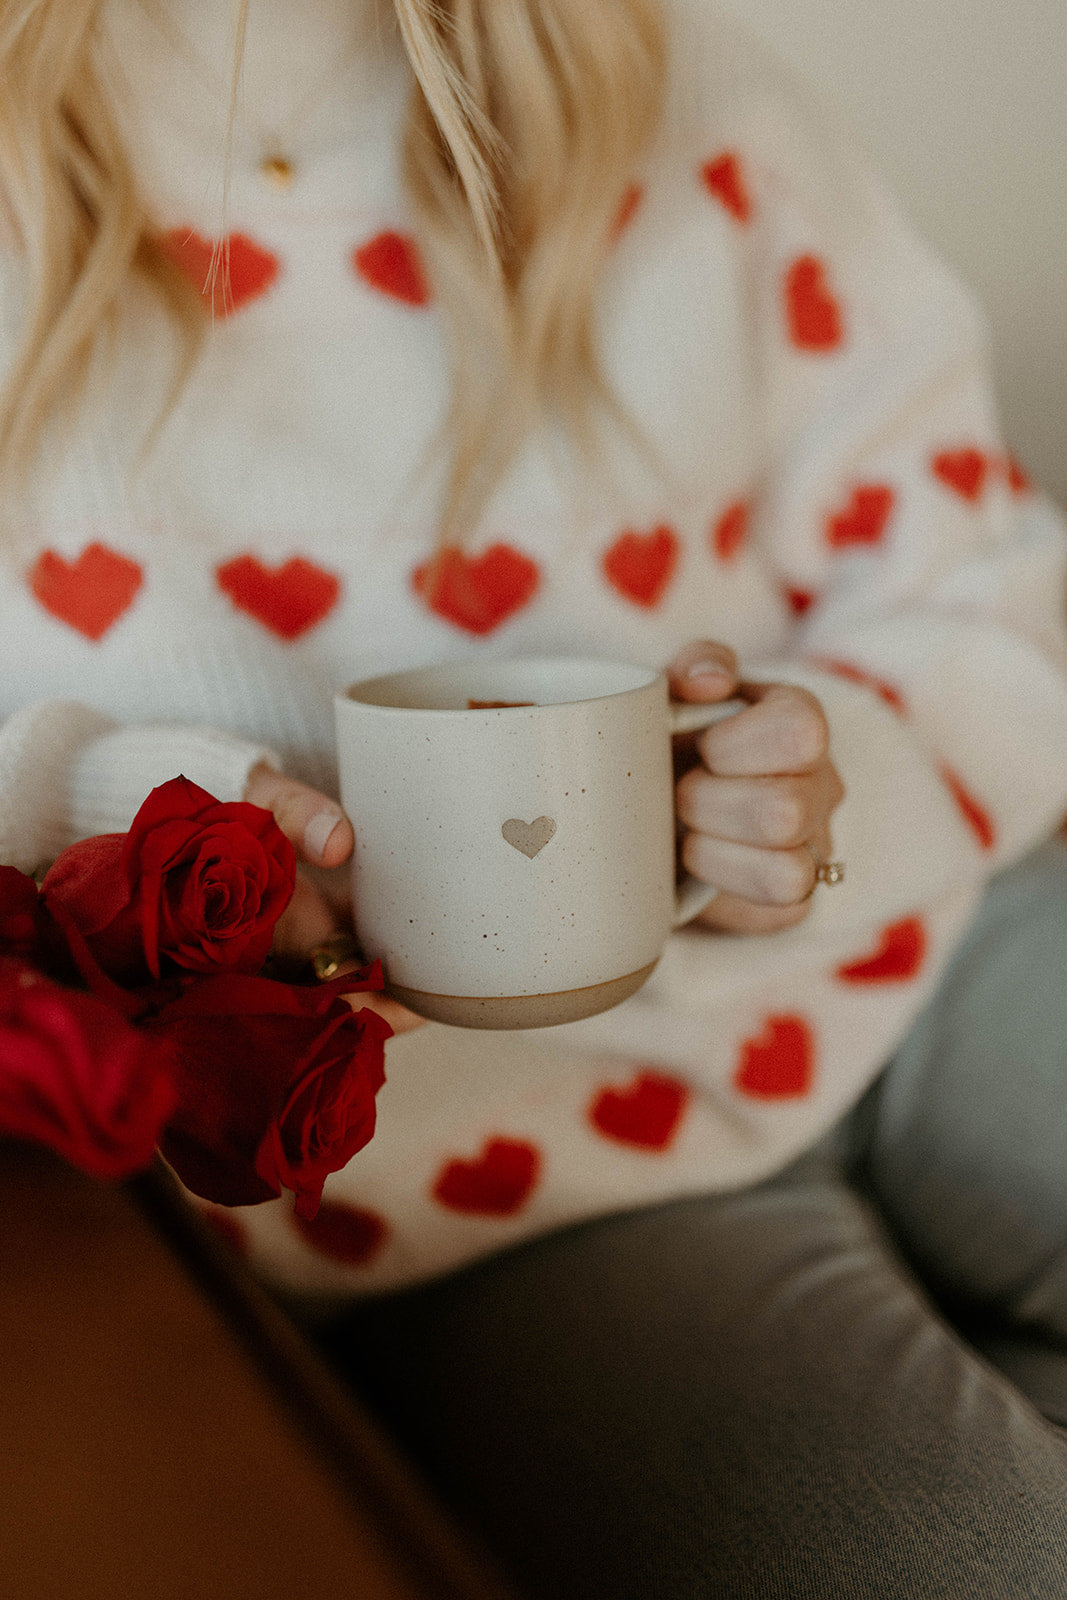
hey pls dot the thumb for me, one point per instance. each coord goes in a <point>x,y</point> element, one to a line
<point>703,671</point>
<point>315,825</point>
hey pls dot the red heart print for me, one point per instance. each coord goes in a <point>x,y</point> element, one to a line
<point>478,593</point>
<point>497,1183</point>
<point>973,813</point>
<point>864,519</point>
<point>899,956</point>
<point>778,1064</point>
<point>390,262</point>
<point>799,601</point>
<point>963,471</point>
<point>853,674</point>
<point>628,208</point>
<point>288,599</point>
<point>640,565</point>
<point>646,1113</point>
<point>723,178</point>
<point>90,593</point>
<point>731,530</point>
<point>252,268</point>
<point>345,1233</point>
<point>1018,481</point>
<point>813,312</point>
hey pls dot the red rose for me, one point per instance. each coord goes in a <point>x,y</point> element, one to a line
<point>49,938</point>
<point>275,1082</point>
<point>197,883</point>
<point>76,1077</point>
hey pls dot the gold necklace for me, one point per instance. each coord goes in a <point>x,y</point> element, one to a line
<point>276,164</point>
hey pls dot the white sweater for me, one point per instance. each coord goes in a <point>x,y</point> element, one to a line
<point>839,507</point>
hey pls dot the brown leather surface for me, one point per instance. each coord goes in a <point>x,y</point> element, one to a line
<point>165,1435</point>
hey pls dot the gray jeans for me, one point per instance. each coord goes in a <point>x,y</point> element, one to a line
<point>850,1381</point>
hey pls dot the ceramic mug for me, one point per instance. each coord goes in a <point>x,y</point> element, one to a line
<point>515,838</point>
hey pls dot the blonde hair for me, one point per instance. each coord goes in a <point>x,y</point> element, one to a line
<point>527,121</point>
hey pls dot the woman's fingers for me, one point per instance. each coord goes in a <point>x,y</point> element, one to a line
<point>783,730</point>
<point>308,920</point>
<point>314,824</point>
<point>776,813</point>
<point>758,810</point>
<point>764,877</point>
<point>733,913</point>
<point>321,834</point>
<point>703,672</point>
<point>729,914</point>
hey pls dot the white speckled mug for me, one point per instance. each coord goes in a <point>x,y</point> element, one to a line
<point>514,863</point>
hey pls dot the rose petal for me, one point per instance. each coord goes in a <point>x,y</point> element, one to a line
<point>276,1084</point>
<point>76,1077</point>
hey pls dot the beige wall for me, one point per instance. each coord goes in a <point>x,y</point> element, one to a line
<point>963,106</point>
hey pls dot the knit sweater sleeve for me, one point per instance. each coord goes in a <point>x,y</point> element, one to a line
<point>67,772</point>
<point>926,582</point>
<point>927,578</point>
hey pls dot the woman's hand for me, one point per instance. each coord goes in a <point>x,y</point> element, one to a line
<point>756,793</point>
<point>322,836</point>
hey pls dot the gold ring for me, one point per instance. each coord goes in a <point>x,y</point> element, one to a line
<point>331,955</point>
<point>828,872</point>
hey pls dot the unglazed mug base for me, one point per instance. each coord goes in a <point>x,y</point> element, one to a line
<point>520,1010</point>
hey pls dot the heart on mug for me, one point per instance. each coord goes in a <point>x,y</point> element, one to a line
<point>529,837</point>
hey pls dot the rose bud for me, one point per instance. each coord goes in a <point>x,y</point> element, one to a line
<point>196,884</point>
<point>75,1076</point>
<point>276,1085</point>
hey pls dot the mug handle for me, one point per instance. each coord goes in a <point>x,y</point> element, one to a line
<point>692,894</point>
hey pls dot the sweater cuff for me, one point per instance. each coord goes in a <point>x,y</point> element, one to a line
<point>38,744</point>
<point>112,777</point>
<point>68,772</point>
